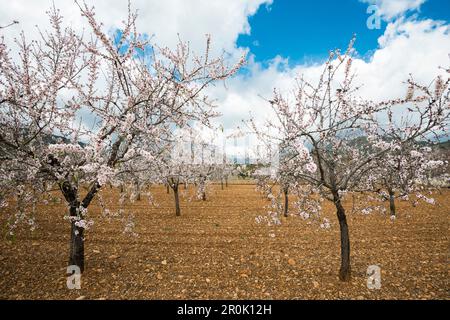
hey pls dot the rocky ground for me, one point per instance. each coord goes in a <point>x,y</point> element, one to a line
<point>216,250</point>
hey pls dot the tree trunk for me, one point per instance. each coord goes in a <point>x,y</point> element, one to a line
<point>76,256</point>
<point>138,191</point>
<point>177,201</point>
<point>345,271</point>
<point>392,202</point>
<point>202,186</point>
<point>221,183</point>
<point>167,188</point>
<point>226,182</point>
<point>286,201</point>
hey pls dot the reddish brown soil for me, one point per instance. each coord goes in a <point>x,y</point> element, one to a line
<point>216,250</point>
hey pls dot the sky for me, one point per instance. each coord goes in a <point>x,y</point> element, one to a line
<point>304,31</point>
<point>283,40</point>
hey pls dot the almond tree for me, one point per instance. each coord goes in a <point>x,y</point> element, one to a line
<point>32,118</point>
<point>174,175</point>
<point>404,170</point>
<point>73,109</point>
<point>187,158</point>
<point>224,170</point>
<point>174,168</point>
<point>329,118</point>
<point>408,162</point>
<point>293,159</point>
<point>204,171</point>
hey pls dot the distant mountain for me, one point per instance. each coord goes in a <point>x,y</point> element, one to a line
<point>53,139</point>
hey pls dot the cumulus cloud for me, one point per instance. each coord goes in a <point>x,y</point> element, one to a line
<point>407,47</point>
<point>163,20</point>
<point>390,9</point>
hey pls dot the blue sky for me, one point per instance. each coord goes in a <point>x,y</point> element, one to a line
<point>304,31</point>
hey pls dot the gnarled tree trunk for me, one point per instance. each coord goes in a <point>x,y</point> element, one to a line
<point>177,200</point>
<point>392,202</point>
<point>202,187</point>
<point>76,256</point>
<point>345,270</point>
<point>286,201</point>
<point>138,190</point>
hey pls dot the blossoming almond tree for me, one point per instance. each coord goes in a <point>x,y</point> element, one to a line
<point>329,118</point>
<point>184,158</point>
<point>292,160</point>
<point>74,109</point>
<point>173,169</point>
<point>404,170</point>
<point>32,118</point>
<point>224,171</point>
<point>206,168</point>
<point>408,162</point>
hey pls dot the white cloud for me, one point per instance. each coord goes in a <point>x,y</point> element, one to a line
<point>166,21</point>
<point>416,47</point>
<point>225,20</point>
<point>389,9</point>
<point>407,47</point>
